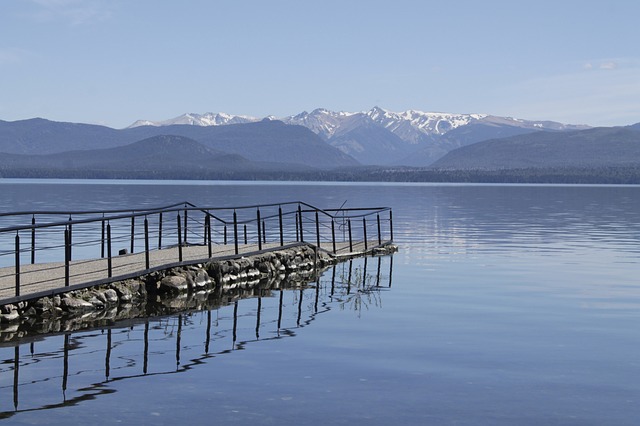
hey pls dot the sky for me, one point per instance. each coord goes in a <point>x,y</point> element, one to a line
<point>112,62</point>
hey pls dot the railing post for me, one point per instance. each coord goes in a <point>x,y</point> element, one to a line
<point>364,227</point>
<point>333,234</point>
<point>350,239</point>
<point>33,239</point>
<point>300,215</point>
<point>264,232</point>
<point>225,234</point>
<point>102,237</point>
<point>133,230</point>
<point>17,264</point>
<point>109,259</point>
<point>235,231</point>
<point>209,234</point>
<point>281,230</point>
<point>70,238</point>
<point>146,242</point>
<point>297,226</point>
<point>160,231</point>
<point>184,234</point>
<point>317,230</point>
<point>67,254</point>
<point>379,234</point>
<point>246,241</point>
<point>204,241</point>
<point>179,238</point>
<point>391,224</point>
<point>259,229</point>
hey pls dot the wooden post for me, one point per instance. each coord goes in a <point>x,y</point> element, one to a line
<point>17,264</point>
<point>259,229</point>
<point>179,238</point>
<point>350,239</point>
<point>317,230</point>
<point>391,224</point>
<point>281,230</point>
<point>364,227</point>
<point>264,232</point>
<point>146,242</point>
<point>235,231</point>
<point>33,239</point>
<point>225,234</point>
<point>109,262</point>
<point>379,235</point>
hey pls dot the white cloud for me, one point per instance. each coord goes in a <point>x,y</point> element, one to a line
<point>608,65</point>
<point>76,12</point>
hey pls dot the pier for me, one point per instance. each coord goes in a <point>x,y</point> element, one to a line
<point>44,253</point>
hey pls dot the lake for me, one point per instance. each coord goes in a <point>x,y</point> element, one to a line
<point>506,304</point>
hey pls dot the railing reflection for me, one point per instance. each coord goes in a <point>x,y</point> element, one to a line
<point>141,347</point>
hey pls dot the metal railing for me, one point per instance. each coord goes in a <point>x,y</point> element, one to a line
<point>60,241</point>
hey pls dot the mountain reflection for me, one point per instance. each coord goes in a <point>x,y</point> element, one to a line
<point>42,372</point>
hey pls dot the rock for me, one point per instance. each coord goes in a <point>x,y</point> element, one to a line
<point>9,317</point>
<point>111,296</point>
<point>7,309</point>
<point>73,305</point>
<point>96,302</point>
<point>174,283</point>
<point>202,279</point>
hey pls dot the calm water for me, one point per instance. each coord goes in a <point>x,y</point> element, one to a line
<point>505,305</point>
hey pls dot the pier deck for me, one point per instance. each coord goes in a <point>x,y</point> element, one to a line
<point>48,252</point>
<point>49,278</point>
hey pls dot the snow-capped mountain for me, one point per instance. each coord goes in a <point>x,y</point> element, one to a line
<point>207,119</point>
<point>383,137</point>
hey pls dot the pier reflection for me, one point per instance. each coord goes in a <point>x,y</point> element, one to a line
<point>68,368</point>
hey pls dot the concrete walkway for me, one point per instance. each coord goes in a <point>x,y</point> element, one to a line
<point>48,278</point>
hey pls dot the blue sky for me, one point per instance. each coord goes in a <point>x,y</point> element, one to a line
<point>112,62</point>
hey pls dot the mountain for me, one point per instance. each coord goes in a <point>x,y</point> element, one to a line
<point>381,137</point>
<point>164,152</point>
<point>207,119</point>
<point>591,148</point>
<point>40,136</point>
<point>163,156</point>
<point>267,141</point>
<point>419,138</point>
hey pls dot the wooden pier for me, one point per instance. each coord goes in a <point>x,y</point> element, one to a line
<point>56,252</point>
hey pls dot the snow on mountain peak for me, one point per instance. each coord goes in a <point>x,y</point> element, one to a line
<point>193,119</point>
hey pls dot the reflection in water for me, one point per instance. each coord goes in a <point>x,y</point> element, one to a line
<point>142,348</point>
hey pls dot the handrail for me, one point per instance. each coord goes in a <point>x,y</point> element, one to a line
<point>182,225</point>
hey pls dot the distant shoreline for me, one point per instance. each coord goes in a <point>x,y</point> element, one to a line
<point>604,175</point>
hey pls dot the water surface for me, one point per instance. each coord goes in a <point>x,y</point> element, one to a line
<point>506,304</point>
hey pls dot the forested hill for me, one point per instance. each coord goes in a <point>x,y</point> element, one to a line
<point>593,148</point>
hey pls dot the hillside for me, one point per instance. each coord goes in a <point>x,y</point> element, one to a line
<point>598,147</point>
<point>265,141</point>
<point>161,157</point>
